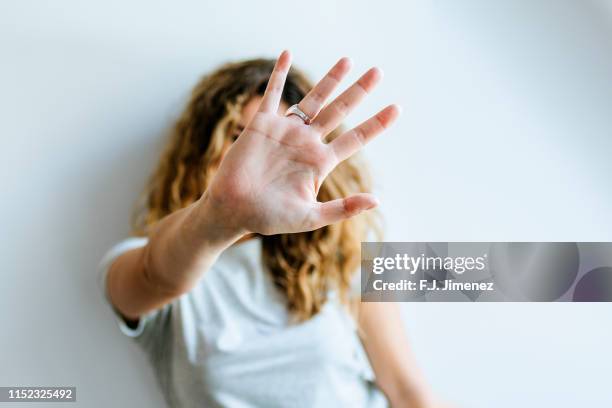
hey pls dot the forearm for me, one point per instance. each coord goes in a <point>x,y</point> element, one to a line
<point>184,245</point>
<point>181,248</point>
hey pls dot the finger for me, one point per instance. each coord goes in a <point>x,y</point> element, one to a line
<point>333,114</point>
<point>351,141</point>
<point>314,100</point>
<point>276,83</point>
<point>343,208</point>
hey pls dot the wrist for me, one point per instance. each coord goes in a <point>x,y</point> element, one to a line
<point>211,225</point>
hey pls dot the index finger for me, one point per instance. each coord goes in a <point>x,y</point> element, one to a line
<point>276,83</point>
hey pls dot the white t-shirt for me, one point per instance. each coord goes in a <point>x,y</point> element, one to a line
<point>229,342</point>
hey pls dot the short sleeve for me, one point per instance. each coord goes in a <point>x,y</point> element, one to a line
<point>108,259</point>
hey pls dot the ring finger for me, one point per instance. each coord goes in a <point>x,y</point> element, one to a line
<point>315,99</point>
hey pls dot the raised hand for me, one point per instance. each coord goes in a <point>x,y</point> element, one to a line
<point>269,179</point>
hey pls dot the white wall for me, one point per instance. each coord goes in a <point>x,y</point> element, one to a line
<point>505,136</point>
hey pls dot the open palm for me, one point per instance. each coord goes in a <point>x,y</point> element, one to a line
<point>269,180</point>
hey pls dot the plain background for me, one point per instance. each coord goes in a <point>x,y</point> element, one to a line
<point>506,135</point>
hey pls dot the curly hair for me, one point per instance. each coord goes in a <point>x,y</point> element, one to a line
<point>304,266</point>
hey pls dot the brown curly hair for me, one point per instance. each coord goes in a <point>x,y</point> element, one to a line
<point>304,266</point>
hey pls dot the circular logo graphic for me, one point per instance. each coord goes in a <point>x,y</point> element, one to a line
<point>534,271</point>
<point>595,286</point>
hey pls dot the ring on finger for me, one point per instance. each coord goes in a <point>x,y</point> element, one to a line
<point>295,110</point>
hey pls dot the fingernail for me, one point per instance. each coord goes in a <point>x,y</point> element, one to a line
<point>374,204</point>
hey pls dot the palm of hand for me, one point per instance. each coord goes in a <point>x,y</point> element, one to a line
<point>269,179</point>
<point>272,174</point>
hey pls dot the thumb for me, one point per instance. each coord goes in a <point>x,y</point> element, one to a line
<point>341,209</point>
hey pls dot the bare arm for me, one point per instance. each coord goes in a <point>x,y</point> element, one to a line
<point>266,184</point>
<point>181,248</point>
<point>386,344</point>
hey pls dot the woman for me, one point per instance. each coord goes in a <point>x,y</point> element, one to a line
<point>238,288</point>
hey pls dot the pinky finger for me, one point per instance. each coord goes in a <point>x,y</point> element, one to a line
<point>341,209</point>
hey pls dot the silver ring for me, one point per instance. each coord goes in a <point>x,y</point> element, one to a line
<point>295,110</point>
